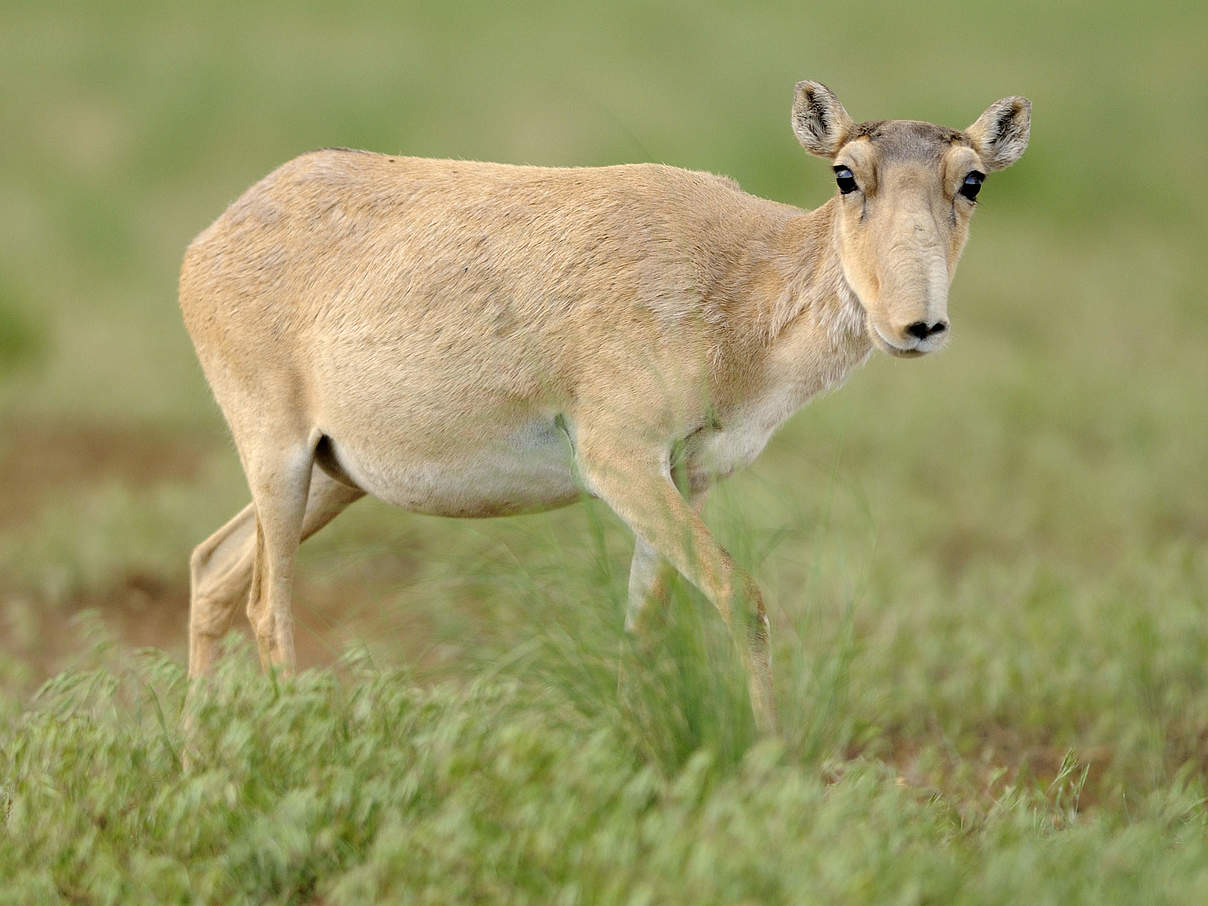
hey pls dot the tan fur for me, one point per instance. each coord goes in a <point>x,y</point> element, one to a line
<point>474,339</point>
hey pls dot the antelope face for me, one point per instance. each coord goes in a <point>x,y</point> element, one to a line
<point>906,192</point>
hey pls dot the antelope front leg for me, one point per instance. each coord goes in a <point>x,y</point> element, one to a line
<point>637,485</point>
<point>649,584</point>
<point>650,576</point>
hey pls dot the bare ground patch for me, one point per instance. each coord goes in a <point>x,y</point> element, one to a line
<point>142,610</point>
<point>1001,759</point>
<point>44,460</point>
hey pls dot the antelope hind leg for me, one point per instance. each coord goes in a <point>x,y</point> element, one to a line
<point>221,566</point>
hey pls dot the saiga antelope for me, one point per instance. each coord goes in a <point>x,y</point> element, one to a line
<point>477,339</point>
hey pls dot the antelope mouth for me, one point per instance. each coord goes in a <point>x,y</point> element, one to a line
<point>915,350</point>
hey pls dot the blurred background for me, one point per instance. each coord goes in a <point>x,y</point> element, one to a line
<point>1008,541</point>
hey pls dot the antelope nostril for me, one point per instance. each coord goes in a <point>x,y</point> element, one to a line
<point>921,330</point>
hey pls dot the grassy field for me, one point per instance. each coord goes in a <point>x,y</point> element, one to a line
<point>987,571</point>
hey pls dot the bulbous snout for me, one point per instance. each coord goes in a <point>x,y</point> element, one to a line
<point>899,260</point>
<point>912,317</point>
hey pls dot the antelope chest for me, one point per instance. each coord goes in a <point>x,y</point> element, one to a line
<point>734,439</point>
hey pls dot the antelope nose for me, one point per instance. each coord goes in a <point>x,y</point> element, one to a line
<point>922,330</point>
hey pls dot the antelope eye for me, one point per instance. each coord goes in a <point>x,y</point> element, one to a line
<point>972,184</point>
<point>845,180</point>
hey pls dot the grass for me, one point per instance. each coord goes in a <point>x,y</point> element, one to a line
<point>986,571</point>
<point>356,785</point>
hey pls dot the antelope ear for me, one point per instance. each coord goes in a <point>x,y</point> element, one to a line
<point>819,120</point>
<point>1000,135</point>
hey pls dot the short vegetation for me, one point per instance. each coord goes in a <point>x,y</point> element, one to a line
<point>537,782</point>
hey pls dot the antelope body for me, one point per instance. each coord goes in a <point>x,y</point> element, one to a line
<point>473,339</point>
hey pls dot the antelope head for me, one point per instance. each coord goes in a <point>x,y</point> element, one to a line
<point>906,192</point>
